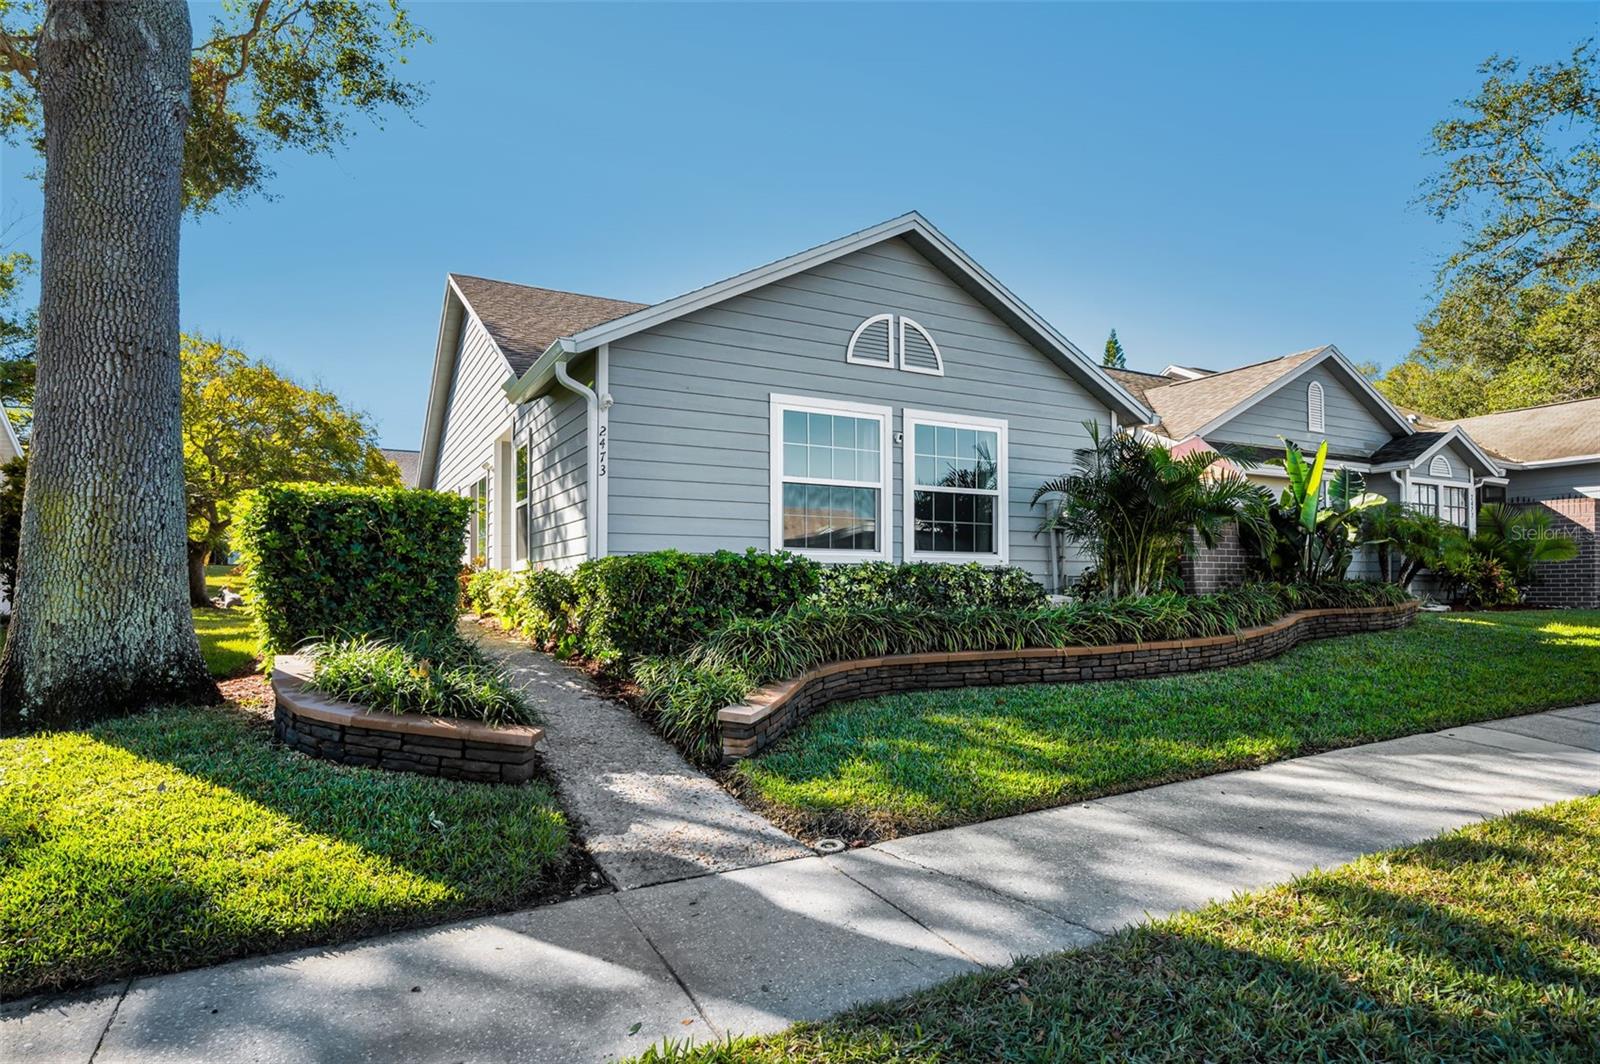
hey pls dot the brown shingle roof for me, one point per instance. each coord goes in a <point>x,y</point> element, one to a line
<point>1138,382</point>
<point>408,461</point>
<point>524,320</point>
<point>1187,406</point>
<point>1537,433</point>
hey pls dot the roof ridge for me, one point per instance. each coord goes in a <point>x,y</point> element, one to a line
<point>1513,410</point>
<point>1238,369</point>
<point>542,288</point>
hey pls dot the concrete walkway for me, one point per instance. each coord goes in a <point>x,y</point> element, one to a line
<point>757,948</point>
<point>647,815</point>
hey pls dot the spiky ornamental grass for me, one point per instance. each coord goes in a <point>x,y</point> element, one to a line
<point>444,677</point>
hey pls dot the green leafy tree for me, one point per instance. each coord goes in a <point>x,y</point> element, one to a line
<point>137,123</point>
<point>18,328</point>
<point>1518,318</point>
<point>1135,507</point>
<point>246,426</point>
<point>1114,357</point>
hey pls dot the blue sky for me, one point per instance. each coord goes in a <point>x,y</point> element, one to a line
<point>1219,183</point>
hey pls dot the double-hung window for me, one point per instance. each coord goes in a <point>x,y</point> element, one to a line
<point>522,511</point>
<point>955,487</point>
<point>830,478</point>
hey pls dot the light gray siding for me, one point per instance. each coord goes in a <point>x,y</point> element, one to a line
<point>1463,466</point>
<point>478,414</point>
<point>690,432</point>
<point>556,428</point>
<point>1552,482</point>
<point>1351,428</point>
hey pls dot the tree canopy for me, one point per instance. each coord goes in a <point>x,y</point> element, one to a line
<point>18,327</point>
<point>245,425</point>
<point>265,75</point>
<point>1517,321</point>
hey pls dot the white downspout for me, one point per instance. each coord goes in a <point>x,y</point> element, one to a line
<point>593,406</point>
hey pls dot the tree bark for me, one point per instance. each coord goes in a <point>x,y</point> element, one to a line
<point>102,623</point>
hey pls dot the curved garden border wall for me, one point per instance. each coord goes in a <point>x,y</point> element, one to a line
<point>311,722</point>
<point>770,712</point>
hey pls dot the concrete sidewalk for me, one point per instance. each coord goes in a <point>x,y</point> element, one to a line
<point>755,949</point>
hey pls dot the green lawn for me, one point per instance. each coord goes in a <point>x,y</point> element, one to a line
<point>913,762</point>
<point>226,639</point>
<point>1483,944</point>
<point>182,837</point>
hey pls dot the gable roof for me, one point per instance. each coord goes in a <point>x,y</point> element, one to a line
<point>1138,382</point>
<point>916,231</point>
<point>1552,434</point>
<point>1413,450</point>
<point>1196,407</point>
<point>523,320</point>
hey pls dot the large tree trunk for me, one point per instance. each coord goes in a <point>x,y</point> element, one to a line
<point>199,555</point>
<point>102,623</point>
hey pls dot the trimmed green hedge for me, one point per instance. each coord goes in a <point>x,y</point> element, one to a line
<point>324,560</point>
<point>616,610</point>
<point>686,692</point>
<point>927,585</point>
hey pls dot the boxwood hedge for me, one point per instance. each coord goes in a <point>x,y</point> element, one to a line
<point>324,560</point>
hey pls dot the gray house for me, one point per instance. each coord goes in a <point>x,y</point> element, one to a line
<point>1542,456</point>
<point>881,396</point>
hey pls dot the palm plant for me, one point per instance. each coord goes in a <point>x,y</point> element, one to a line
<point>1520,539</point>
<point>1405,541</point>
<point>1134,507</point>
<point>1307,536</point>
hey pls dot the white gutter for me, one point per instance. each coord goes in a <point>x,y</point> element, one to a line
<point>595,407</point>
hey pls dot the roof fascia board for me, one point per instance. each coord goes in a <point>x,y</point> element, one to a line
<point>1577,459</point>
<point>444,372</point>
<point>700,298</point>
<point>1326,354</point>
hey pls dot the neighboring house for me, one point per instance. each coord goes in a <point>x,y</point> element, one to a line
<point>1306,398</point>
<point>1540,455</point>
<point>408,461</point>
<point>881,396</point>
<point>10,446</point>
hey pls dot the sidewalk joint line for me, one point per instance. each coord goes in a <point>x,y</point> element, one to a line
<point>98,1042</point>
<point>998,893</point>
<point>909,916</point>
<point>676,978</point>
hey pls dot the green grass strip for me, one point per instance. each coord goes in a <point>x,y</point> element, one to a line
<point>913,762</point>
<point>1483,944</point>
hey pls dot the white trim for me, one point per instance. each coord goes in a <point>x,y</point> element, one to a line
<point>600,456</point>
<point>888,334</point>
<point>938,370</point>
<point>1316,408</point>
<point>909,420</point>
<point>442,382</point>
<point>926,239</point>
<point>1440,466</point>
<point>591,494</point>
<point>777,404</point>
<point>1580,459</point>
<point>1185,372</point>
<point>1326,354</point>
<point>1455,434</point>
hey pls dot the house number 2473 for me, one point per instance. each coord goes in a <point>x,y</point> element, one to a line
<point>600,448</point>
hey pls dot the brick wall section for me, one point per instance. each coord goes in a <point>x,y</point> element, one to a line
<point>770,712</point>
<point>1209,569</point>
<point>307,721</point>
<point>1573,583</point>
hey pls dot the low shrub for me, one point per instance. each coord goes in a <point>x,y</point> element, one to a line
<point>324,561</point>
<point>443,677</point>
<point>638,605</point>
<point>684,698</point>
<point>927,585</point>
<point>538,604</point>
<point>1342,594</point>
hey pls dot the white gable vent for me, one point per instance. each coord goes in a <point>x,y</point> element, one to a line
<point>872,344</point>
<point>1316,419</point>
<point>1440,467</point>
<point>918,352</point>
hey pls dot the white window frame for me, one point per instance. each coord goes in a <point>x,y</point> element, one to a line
<point>885,484</point>
<point>1440,484</point>
<point>850,351</point>
<point>522,506</point>
<point>910,419</point>
<point>938,356</point>
<point>1316,408</point>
